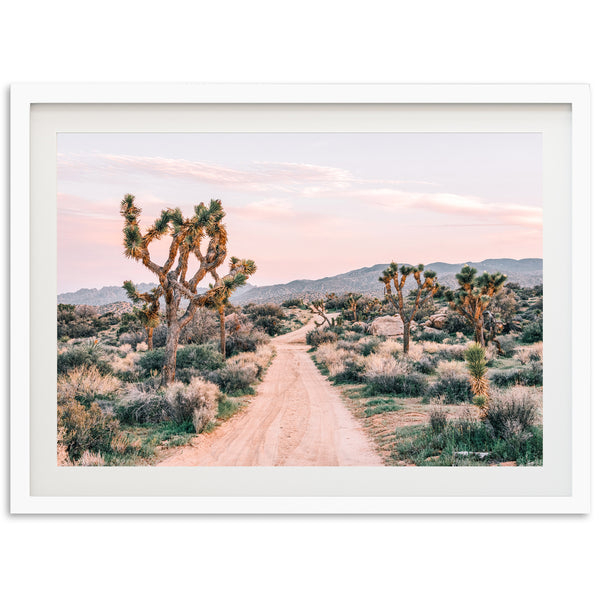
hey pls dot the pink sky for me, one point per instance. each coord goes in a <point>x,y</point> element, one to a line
<point>304,205</point>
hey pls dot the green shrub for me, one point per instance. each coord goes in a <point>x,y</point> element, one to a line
<point>438,419</point>
<point>316,337</point>
<point>511,418</point>
<point>244,341</point>
<point>293,302</point>
<point>408,385</point>
<point>430,336</point>
<point>84,355</point>
<point>204,357</point>
<point>82,429</point>
<point>143,404</point>
<point>152,360</point>
<point>534,332</point>
<point>235,379</point>
<point>508,343</point>
<point>352,372</point>
<point>454,388</point>
<point>532,376</point>
<point>426,364</point>
<point>196,402</point>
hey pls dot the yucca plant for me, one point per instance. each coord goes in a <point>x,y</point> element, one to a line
<point>174,284</point>
<point>476,364</point>
<point>427,285</point>
<point>474,296</point>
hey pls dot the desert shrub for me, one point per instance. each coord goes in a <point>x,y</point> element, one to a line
<point>533,375</point>
<point>152,361</point>
<point>368,346</point>
<point>293,302</point>
<point>84,428</point>
<point>159,337</point>
<point>91,459</point>
<point>133,338</point>
<point>235,379</point>
<point>512,416</point>
<point>508,343</point>
<point>143,404</point>
<point>204,357</point>
<point>83,355</point>
<point>380,405</point>
<point>316,337</point>
<point>196,402</point>
<point>456,323</point>
<point>351,371</point>
<point>426,364</point>
<point>203,327</point>
<point>81,321</point>
<point>245,341</point>
<point>267,317</point>
<point>429,336</point>
<point>411,385</point>
<point>437,418</point>
<point>445,351</point>
<point>86,385</point>
<point>530,353</point>
<point>534,332</point>
<point>455,388</point>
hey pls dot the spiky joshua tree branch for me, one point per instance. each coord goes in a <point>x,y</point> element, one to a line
<point>174,283</point>
<point>427,285</point>
<point>148,314</point>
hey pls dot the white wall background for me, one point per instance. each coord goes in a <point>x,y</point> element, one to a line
<point>516,41</point>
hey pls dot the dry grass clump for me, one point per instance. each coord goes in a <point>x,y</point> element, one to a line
<point>125,348</point>
<point>415,352</point>
<point>491,353</point>
<point>142,347</point>
<point>438,418</point>
<point>391,348</point>
<point>512,413</point>
<point>385,364</point>
<point>91,459</point>
<point>128,362</point>
<point>451,368</point>
<point>86,384</point>
<point>527,354</point>
<point>196,402</point>
<point>335,358</point>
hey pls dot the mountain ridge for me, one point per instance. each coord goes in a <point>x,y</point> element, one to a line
<point>364,280</point>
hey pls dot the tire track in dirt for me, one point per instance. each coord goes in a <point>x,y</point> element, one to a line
<point>297,418</point>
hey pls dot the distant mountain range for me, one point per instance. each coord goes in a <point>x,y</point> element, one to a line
<point>527,272</point>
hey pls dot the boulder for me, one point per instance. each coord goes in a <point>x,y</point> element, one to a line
<point>437,321</point>
<point>387,325</point>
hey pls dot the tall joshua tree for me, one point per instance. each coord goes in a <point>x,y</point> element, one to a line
<point>173,281</point>
<point>474,296</point>
<point>148,314</point>
<point>426,287</point>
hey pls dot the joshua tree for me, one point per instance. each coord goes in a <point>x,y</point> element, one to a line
<point>353,305</point>
<point>219,301</point>
<point>475,357</point>
<point>317,307</point>
<point>473,297</point>
<point>174,284</point>
<point>426,286</point>
<point>148,315</point>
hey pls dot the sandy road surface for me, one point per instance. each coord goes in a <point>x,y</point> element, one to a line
<point>296,419</point>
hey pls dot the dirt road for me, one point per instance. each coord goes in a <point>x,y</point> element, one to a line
<point>297,418</point>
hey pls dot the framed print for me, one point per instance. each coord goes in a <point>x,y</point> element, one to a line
<point>300,299</point>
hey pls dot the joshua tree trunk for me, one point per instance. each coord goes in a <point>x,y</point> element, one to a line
<point>168,372</point>
<point>222,324</point>
<point>406,337</point>
<point>479,331</point>
<point>150,335</point>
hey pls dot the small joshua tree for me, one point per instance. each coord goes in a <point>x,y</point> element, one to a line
<point>148,315</point>
<point>174,284</point>
<point>475,358</point>
<point>473,297</point>
<point>426,287</point>
<point>317,307</point>
<point>219,301</point>
<point>353,305</point>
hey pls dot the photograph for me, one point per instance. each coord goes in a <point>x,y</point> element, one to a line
<point>299,299</point>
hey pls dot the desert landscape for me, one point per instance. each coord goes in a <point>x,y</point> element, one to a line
<point>226,361</point>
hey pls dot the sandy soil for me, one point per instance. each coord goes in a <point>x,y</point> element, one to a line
<point>297,418</point>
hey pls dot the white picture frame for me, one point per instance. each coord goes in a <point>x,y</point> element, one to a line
<point>26,168</point>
